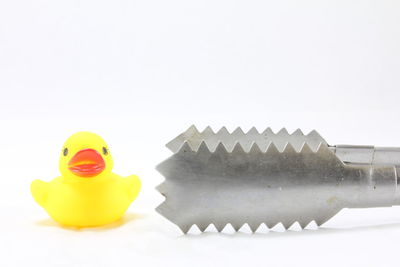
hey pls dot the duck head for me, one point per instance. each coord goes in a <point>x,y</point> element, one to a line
<point>85,156</point>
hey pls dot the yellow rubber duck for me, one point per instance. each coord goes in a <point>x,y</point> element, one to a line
<point>87,194</point>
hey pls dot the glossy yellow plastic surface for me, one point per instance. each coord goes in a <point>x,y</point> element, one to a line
<point>87,194</point>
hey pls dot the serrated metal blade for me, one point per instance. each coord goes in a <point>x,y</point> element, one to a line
<point>193,137</point>
<point>254,178</point>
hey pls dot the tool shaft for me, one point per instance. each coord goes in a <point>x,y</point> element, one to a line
<point>381,181</point>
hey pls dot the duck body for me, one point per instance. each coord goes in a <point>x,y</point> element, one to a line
<point>88,204</point>
<point>86,195</point>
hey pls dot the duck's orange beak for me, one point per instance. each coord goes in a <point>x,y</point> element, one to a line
<point>87,163</point>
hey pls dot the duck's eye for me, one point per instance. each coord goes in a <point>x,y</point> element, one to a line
<point>105,151</point>
<point>65,152</point>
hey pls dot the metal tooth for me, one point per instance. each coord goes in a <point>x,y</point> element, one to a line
<point>314,133</point>
<point>246,140</point>
<point>185,148</point>
<point>202,227</point>
<point>323,152</point>
<point>162,188</point>
<point>268,132</point>
<point>238,132</point>
<point>263,145</point>
<point>272,150</point>
<point>255,149</point>
<point>223,131</point>
<point>314,139</point>
<point>177,142</point>
<point>306,149</point>
<point>289,149</point>
<point>281,139</point>
<point>185,228</point>
<point>207,131</point>
<point>283,131</point>
<point>203,153</point>
<point>298,132</point>
<point>203,148</point>
<point>192,129</point>
<point>238,149</point>
<point>223,136</point>
<point>253,131</point>
<point>220,149</point>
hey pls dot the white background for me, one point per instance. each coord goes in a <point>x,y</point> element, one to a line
<point>138,72</point>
